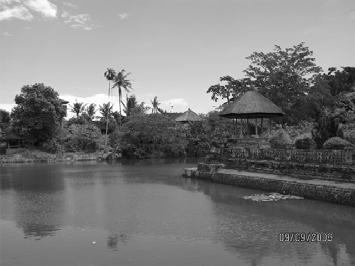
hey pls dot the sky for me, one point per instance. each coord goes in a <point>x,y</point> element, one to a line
<point>174,49</point>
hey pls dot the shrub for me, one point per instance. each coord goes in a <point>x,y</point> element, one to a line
<point>52,146</point>
<point>337,143</point>
<point>85,137</point>
<point>280,140</point>
<point>349,135</point>
<point>151,135</point>
<point>305,142</point>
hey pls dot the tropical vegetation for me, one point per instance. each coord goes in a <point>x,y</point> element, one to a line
<point>319,107</point>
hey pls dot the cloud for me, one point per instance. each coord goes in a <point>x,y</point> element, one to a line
<point>170,105</point>
<point>44,7</point>
<point>6,34</point>
<point>123,16</point>
<point>97,99</point>
<point>18,12</point>
<point>174,105</point>
<point>7,106</point>
<point>16,9</point>
<point>81,21</point>
<point>70,5</point>
<point>352,15</point>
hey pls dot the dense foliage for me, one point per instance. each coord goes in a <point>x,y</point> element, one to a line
<point>4,116</point>
<point>38,113</point>
<point>83,137</point>
<point>151,135</point>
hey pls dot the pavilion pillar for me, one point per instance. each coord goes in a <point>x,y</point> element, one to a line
<point>248,133</point>
<point>261,127</point>
<point>256,127</point>
<point>270,126</point>
<point>236,126</point>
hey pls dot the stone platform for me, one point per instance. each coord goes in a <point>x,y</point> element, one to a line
<point>327,190</point>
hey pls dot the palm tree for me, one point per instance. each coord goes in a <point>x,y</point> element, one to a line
<point>77,108</point>
<point>90,111</point>
<point>155,104</point>
<point>121,82</point>
<point>106,110</point>
<point>109,74</point>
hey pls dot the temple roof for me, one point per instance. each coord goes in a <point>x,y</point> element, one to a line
<point>251,105</point>
<point>188,116</point>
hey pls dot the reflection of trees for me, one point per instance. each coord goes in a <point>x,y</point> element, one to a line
<point>37,205</point>
<point>31,178</point>
<point>114,238</point>
<point>251,228</point>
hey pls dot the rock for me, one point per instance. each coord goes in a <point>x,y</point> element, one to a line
<point>270,197</point>
<point>305,142</point>
<point>280,140</point>
<point>337,143</point>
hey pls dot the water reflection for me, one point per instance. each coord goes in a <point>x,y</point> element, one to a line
<point>251,228</point>
<point>115,203</point>
<point>35,199</point>
<point>115,238</point>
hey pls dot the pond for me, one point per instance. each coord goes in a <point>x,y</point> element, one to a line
<point>145,213</point>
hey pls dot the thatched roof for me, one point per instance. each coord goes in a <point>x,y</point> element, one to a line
<point>251,105</point>
<point>188,116</point>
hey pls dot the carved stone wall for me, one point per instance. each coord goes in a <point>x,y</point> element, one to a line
<point>333,157</point>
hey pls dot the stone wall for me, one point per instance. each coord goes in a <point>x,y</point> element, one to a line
<point>345,173</point>
<point>340,195</point>
<point>333,157</point>
<point>310,191</point>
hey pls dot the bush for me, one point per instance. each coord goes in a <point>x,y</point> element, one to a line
<point>85,137</point>
<point>305,142</point>
<point>151,135</point>
<point>301,128</point>
<point>52,146</point>
<point>349,135</point>
<point>337,143</point>
<point>280,140</point>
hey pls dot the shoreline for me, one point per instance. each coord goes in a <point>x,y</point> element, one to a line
<point>36,156</point>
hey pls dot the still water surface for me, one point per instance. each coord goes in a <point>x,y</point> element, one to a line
<point>145,213</point>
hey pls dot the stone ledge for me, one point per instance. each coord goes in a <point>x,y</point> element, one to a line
<point>340,193</point>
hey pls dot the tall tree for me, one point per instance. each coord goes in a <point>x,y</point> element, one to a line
<point>110,75</point>
<point>155,104</point>
<point>339,80</point>
<point>121,82</point>
<point>90,111</point>
<point>77,108</point>
<point>106,110</point>
<point>232,89</point>
<point>38,113</point>
<point>4,116</point>
<point>283,75</point>
<point>132,107</point>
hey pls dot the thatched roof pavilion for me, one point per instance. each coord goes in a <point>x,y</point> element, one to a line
<point>252,105</point>
<point>188,116</point>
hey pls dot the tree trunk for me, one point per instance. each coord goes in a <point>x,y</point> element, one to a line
<point>119,99</point>
<point>108,94</point>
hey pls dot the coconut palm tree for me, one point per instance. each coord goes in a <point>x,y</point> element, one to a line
<point>109,74</point>
<point>78,108</point>
<point>106,110</point>
<point>90,111</point>
<point>155,104</point>
<point>121,82</point>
